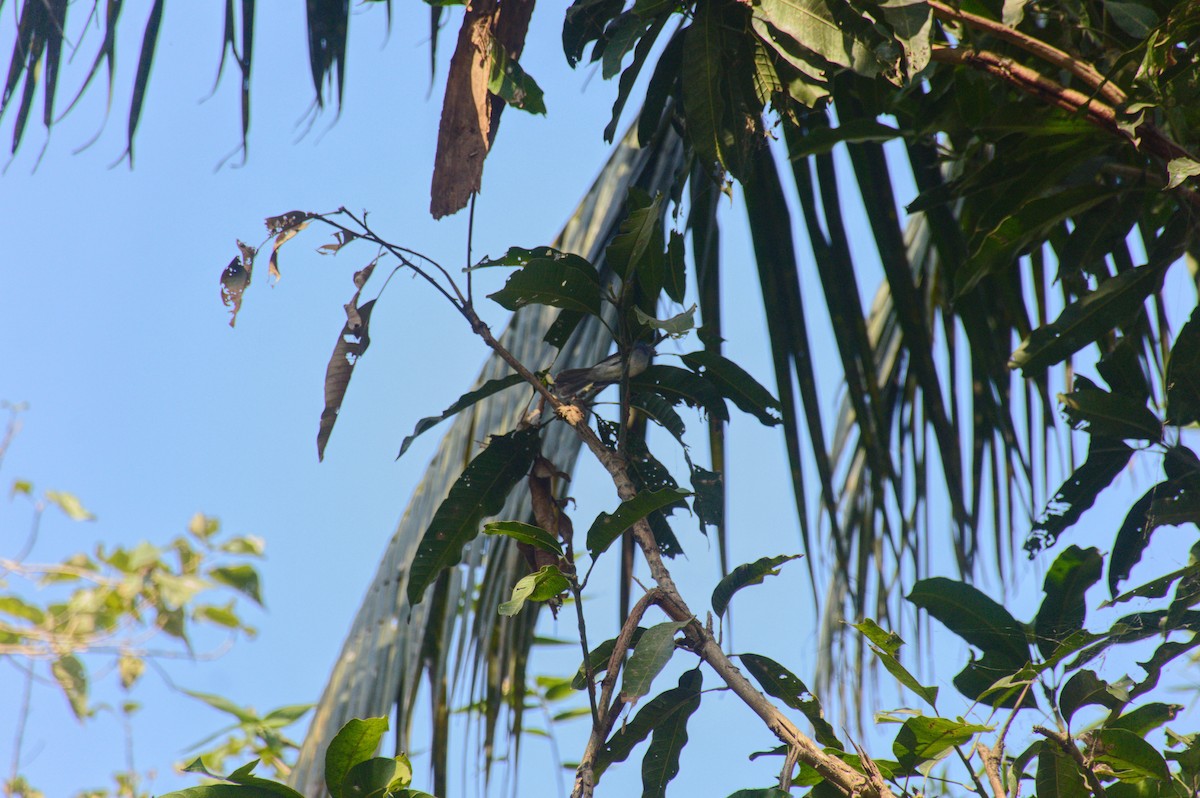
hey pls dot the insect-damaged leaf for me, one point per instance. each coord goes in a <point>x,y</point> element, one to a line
<point>608,526</point>
<point>570,283</point>
<point>650,656</point>
<point>479,492</point>
<point>1086,319</point>
<point>1106,458</point>
<point>236,279</point>
<point>350,346</point>
<point>466,400</point>
<point>1112,415</point>
<point>746,574</point>
<point>781,683</point>
<point>668,711</point>
<point>735,383</point>
<point>679,385</point>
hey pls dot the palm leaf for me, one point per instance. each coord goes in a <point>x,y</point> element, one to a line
<point>385,654</point>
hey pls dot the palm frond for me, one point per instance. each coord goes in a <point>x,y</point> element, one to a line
<point>456,633</point>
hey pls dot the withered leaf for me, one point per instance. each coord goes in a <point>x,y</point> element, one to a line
<point>351,344</point>
<point>235,279</point>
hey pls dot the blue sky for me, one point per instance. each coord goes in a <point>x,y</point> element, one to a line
<point>145,404</point>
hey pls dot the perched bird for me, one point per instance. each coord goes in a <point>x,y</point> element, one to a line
<point>586,382</point>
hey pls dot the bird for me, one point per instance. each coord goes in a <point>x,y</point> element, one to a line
<point>586,382</point>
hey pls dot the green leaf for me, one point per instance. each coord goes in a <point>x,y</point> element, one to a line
<point>679,385</point>
<point>1063,609</point>
<point>615,51</point>
<point>886,646</point>
<point>703,81</point>
<point>1138,21</point>
<point>661,763</point>
<point>599,657</point>
<point>659,711</point>
<point>1059,775</point>
<point>922,739</point>
<point>466,400</point>
<point>1145,719</point>
<point>781,683</point>
<point>1109,414</point>
<point>675,278</point>
<point>1085,688</point>
<point>378,777</point>
<point>69,503</point>
<point>974,617</point>
<point>242,578</point>
<point>819,140</point>
<point>1032,222</point>
<point>571,284</point>
<point>608,527</point>
<point>19,608</point>
<point>1130,757</point>
<point>650,656</point>
<point>525,533</point>
<point>678,325</point>
<point>637,233</point>
<point>479,492</point>
<point>744,575</point>
<point>355,743</point>
<point>72,678</point>
<point>510,83</point>
<point>1183,374</point>
<point>1086,319</point>
<point>735,384</point>
<point>1106,458</point>
<point>1178,169</point>
<point>542,585</point>
<point>813,24</point>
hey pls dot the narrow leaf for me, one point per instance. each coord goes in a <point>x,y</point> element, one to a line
<point>479,492</point>
<point>661,763</point>
<point>735,383</point>
<point>745,575</point>
<point>608,526</point>
<point>781,683</point>
<point>468,399</point>
<point>658,711</point>
<point>525,533</point>
<point>1183,374</point>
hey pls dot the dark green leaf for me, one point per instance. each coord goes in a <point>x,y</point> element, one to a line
<point>815,26</point>
<point>1109,414</point>
<point>921,739</point>
<point>679,385</point>
<point>824,139</point>
<point>661,763</point>
<point>466,400</point>
<point>637,233</point>
<point>1063,609</point>
<point>562,283</point>
<point>608,526</point>
<point>1058,774</point>
<point>615,53</point>
<point>525,533</point>
<point>543,585</point>
<point>1106,458</point>
<point>709,501</point>
<point>479,492</point>
<point>1135,19</point>
<point>735,384</point>
<point>650,656</point>
<point>660,710</point>
<point>599,657</point>
<point>1085,688</point>
<point>661,86</point>
<point>974,617</point>
<point>1145,719</point>
<point>746,574</point>
<point>1183,374</point>
<point>702,72</point>
<point>356,742</point>
<point>1086,319</point>
<point>1130,757</point>
<point>781,683</point>
<point>585,22</point>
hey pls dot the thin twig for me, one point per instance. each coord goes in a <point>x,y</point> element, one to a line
<point>22,717</point>
<point>470,239</point>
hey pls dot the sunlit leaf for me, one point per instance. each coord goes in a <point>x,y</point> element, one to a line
<point>649,657</point>
<point>542,585</point>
